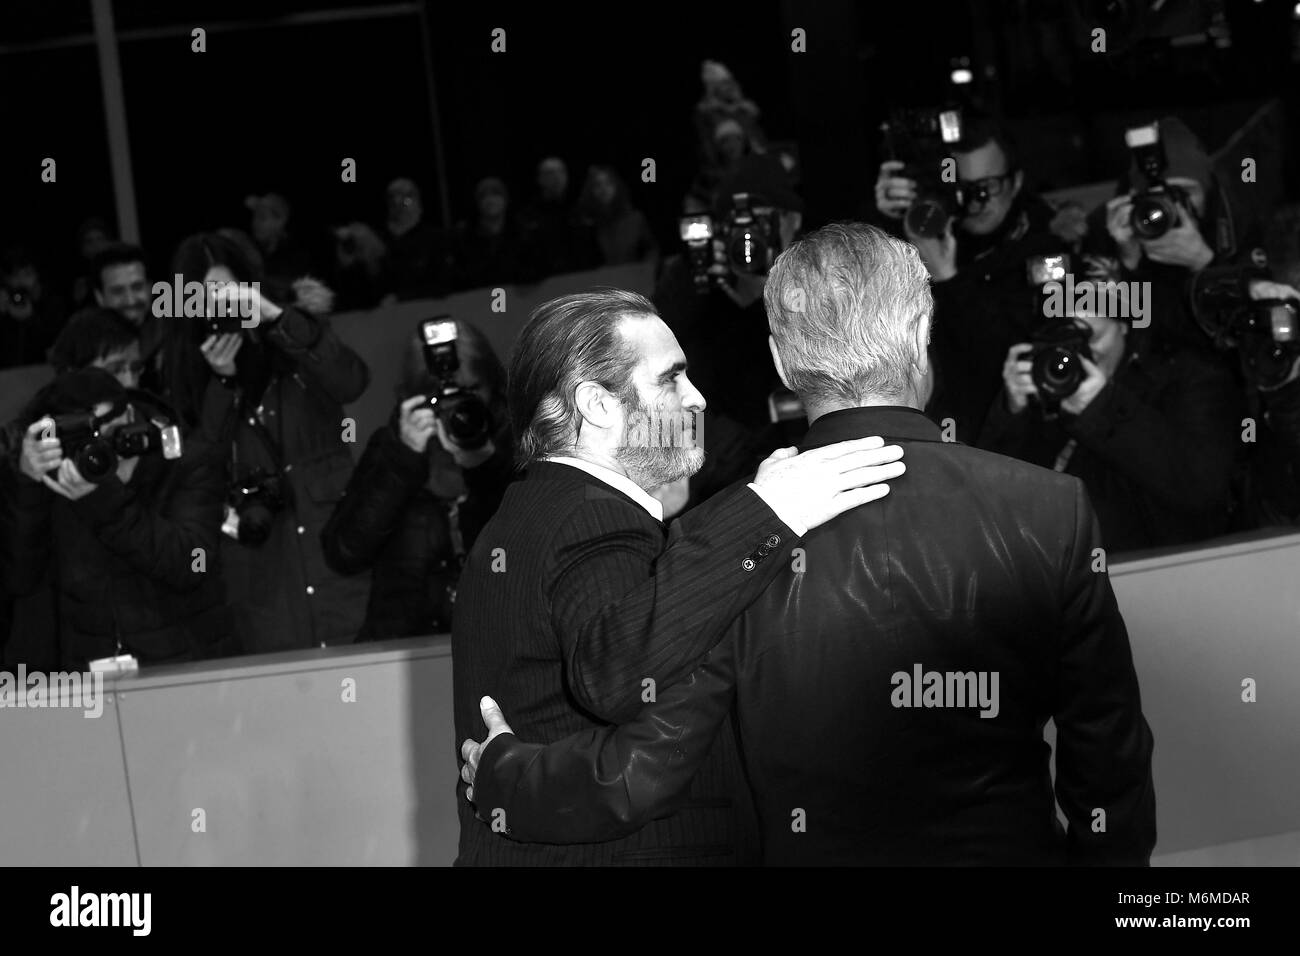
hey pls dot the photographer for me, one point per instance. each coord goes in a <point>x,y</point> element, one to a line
<point>424,488</point>
<point>1151,431</point>
<point>976,266</point>
<point>270,391</point>
<point>1241,309</point>
<point>132,540</point>
<point>100,338</point>
<point>1187,228</point>
<point>714,304</point>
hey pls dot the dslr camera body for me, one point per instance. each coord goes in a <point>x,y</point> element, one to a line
<point>749,237</point>
<point>97,455</point>
<point>1059,344</point>
<point>252,506</point>
<point>1157,206</point>
<point>921,139</point>
<point>465,416</point>
<point>1264,331</point>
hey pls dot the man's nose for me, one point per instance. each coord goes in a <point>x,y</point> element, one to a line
<point>692,397</point>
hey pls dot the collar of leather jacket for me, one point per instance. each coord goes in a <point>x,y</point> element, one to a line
<point>890,422</point>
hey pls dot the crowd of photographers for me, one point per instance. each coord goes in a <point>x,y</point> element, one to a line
<point>185,489</point>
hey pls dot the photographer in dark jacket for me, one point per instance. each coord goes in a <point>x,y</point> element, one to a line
<point>417,500</point>
<point>977,269</point>
<point>1151,430</point>
<point>1204,234</point>
<point>271,395</point>
<point>135,556</point>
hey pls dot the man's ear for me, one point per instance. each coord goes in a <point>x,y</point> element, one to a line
<point>99,299</point>
<point>1017,182</point>
<point>776,360</point>
<point>596,406</point>
<point>922,342</point>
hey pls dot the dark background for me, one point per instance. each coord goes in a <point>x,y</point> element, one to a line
<point>277,106</point>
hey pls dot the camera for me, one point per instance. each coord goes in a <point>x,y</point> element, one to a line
<point>1264,331</point>
<point>1056,361</point>
<point>749,236</point>
<point>1156,204</point>
<point>252,506</point>
<point>921,139</point>
<point>465,416</point>
<point>97,456</point>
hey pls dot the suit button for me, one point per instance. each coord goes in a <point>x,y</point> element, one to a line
<point>764,551</point>
<point>773,540</point>
<point>748,564</point>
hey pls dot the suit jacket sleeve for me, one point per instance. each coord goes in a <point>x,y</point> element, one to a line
<point>608,782</point>
<point>1103,743</point>
<point>627,609</point>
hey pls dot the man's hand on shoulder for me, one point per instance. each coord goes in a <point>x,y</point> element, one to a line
<point>809,489</point>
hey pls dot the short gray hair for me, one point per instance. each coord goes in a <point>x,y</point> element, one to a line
<point>844,304</point>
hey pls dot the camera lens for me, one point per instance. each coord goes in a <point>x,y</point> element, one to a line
<point>95,460</point>
<point>1152,217</point>
<point>1057,372</point>
<point>928,218</point>
<point>468,422</point>
<point>748,252</point>
<point>254,524</point>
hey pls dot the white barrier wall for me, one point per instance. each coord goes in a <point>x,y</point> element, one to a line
<point>287,770</point>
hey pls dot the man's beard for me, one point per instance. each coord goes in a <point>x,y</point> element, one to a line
<point>659,447</point>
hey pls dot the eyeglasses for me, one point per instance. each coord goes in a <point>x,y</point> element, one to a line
<point>982,190</point>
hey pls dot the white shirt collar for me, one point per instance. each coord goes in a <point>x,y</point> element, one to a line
<point>619,482</point>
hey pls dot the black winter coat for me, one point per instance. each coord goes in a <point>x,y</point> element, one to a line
<point>135,566</point>
<point>1155,448</point>
<point>389,522</point>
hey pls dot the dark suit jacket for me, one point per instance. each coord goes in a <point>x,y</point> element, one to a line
<point>573,609</point>
<point>974,564</point>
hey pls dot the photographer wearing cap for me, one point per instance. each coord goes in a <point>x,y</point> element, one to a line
<point>976,264</point>
<point>103,496</point>
<point>425,486</point>
<point>1150,430</point>
<point>269,390</point>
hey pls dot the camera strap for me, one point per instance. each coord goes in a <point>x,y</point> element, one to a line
<point>1066,453</point>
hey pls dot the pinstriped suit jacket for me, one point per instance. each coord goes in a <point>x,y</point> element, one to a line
<point>573,606</point>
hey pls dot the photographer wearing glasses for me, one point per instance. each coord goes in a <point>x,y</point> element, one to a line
<point>269,390</point>
<point>973,236</point>
<point>427,483</point>
<point>104,496</point>
<point>1150,428</point>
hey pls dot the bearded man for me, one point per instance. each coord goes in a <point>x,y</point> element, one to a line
<point>577,604</point>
